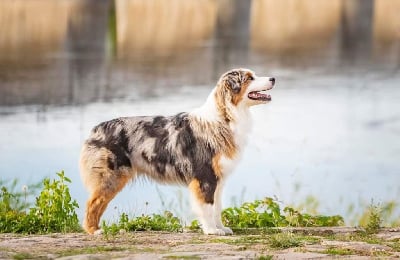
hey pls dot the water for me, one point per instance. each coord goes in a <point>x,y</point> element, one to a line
<point>332,130</point>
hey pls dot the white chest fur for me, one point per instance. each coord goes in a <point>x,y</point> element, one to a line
<point>241,128</point>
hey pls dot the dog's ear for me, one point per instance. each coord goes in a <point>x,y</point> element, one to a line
<point>232,80</point>
<point>234,85</point>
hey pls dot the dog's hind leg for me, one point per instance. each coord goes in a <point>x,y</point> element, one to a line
<point>95,207</point>
<point>102,181</point>
<point>109,184</point>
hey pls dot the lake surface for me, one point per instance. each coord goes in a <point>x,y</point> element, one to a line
<point>332,130</point>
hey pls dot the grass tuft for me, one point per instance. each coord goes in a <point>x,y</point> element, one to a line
<point>285,240</point>
<point>155,222</point>
<point>339,251</point>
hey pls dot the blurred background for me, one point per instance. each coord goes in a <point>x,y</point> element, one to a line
<point>328,142</point>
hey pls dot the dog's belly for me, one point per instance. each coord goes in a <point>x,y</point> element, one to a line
<point>178,172</point>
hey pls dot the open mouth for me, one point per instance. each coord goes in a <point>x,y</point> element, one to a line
<point>258,95</point>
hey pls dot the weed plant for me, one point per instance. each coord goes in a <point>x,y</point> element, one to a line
<point>268,213</point>
<point>53,211</point>
<point>285,240</point>
<point>374,219</point>
<point>12,198</point>
<point>155,222</point>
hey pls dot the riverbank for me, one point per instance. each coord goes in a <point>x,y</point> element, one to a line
<point>299,243</point>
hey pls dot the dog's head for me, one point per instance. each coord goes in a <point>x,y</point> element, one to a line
<point>241,87</point>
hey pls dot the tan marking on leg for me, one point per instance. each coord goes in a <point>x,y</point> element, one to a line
<point>111,184</point>
<point>102,183</point>
<point>217,166</point>
<point>194,187</point>
<point>95,207</point>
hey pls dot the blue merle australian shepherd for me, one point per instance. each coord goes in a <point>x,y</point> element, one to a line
<point>198,149</point>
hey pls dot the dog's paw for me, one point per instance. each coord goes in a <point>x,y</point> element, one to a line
<point>227,231</point>
<point>98,232</point>
<point>214,231</point>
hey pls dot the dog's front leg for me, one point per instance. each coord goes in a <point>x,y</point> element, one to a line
<point>203,205</point>
<point>218,209</point>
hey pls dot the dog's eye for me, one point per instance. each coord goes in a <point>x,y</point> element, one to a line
<point>250,78</point>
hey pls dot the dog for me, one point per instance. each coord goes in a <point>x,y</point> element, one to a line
<point>198,149</point>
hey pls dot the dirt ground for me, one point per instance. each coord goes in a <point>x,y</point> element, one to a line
<point>315,243</point>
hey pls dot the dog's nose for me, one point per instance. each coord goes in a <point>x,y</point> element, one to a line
<point>272,81</point>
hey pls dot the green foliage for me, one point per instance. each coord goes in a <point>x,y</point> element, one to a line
<point>259,213</point>
<point>10,219</point>
<point>155,222</point>
<point>267,213</point>
<point>296,219</point>
<point>194,225</point>
<point>11,198</point>
<point>388,212</point>
<point>54,210</point>
<point>372,219</point>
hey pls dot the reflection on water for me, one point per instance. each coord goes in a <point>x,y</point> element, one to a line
<point>333,126</point>
<point>148,28</point>
<point>294,22</point>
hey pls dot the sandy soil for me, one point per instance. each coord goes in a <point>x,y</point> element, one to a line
<point>162,245</point>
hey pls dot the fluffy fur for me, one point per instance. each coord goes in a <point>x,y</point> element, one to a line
<point>197,149</point>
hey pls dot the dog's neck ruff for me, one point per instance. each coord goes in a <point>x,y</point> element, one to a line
<point>235,119</point>
<point>213,112</point>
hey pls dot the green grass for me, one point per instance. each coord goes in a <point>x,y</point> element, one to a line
<point>242,240</point>
<point>109,249</point>
<point>395,245</point>
<point>155,222</point>
<point>280,240</point>
<point>348,251</point>
<point>339,251</point>
<point>194,257</point>
<point>92,250</point>
<point>358,236</point>
<point>265,257</point>
<point>285,240</point>
<point>20,256</point>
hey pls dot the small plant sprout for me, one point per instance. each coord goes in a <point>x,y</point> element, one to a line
<point>25,190</point>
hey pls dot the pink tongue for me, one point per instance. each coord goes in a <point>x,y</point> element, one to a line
<point>258,95</point>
